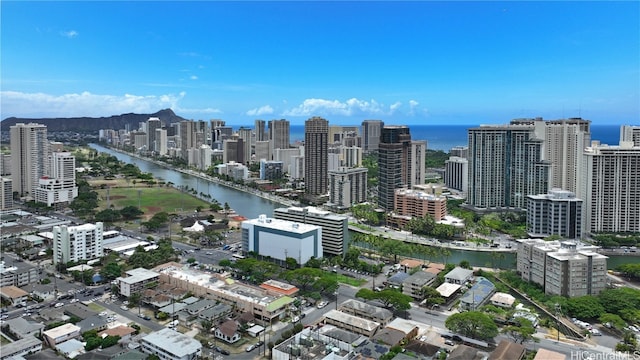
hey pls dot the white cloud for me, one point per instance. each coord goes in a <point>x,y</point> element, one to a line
<point>21,104</point>
<point>193,77</point>
<point>263,110</point>
<point>69,34</point>
<point>350,107</point>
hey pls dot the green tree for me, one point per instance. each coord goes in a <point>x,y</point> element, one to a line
<point>431,296</point>
<point>162,316</point>
<point>108,216</point>
<point>291,263</point>
<point>111,271</point>
<point>109,341</point>
<point>130,212</point>
<point>612,319</point>
<point>520,332</point>
<point>585,307</point>
<point>93,343</point>
<point>473,324</point>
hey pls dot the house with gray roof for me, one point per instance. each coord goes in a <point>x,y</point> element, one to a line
<point>458,276</point>
<point>22,328</point>
<point>199,306</point>
<point>93,322</point>
<point>216,312</point>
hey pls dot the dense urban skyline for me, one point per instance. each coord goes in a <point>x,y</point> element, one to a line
<point>409,62</point>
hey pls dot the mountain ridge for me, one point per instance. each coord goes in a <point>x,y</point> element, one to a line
<point>84,124</point>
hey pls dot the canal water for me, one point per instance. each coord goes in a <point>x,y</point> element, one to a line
<point>245,204</point>
<point>251,206</point>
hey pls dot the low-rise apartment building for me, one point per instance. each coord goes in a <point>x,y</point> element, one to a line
<point>137,280</point>
<point>169,344</point>
<point>562,268</point>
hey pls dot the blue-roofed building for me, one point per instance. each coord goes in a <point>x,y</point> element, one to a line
<point>479,293</point>
<point>397,279</point>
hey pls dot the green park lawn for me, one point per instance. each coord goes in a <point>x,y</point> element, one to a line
<point>150,200</point>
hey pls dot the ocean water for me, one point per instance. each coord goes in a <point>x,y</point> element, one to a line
<point>444,137</point>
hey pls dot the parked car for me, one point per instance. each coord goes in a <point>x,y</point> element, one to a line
<point>250,347</point>
<point>322,304</point>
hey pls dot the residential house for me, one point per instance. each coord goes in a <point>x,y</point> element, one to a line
<point>458,276</point>
<point>228,332</point>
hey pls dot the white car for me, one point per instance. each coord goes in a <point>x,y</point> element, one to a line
<point>322,304</point>
<point>295,319</point>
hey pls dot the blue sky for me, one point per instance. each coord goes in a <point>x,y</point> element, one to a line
<point>403,62</point>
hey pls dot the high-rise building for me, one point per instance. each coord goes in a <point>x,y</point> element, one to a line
<point>153,124</point>
<point>562,268</point>
<point>418,162</point>
<point>246,134</point>
<point>161,142</point>
<point>371,131</point>
<point>263,150</point>
<point>505,165</point>
<point>58,188</point>
<point>394,164</point>
<point>279,133</point>
<point>316,154</point>
<point>260,130</point>
<point>29,152</point>
<point>187,132</point>
<point>335,229</point>
<point>233,150</point>
<point>459,151</point>
<point>456,173</point>
<point>565,141</point>
<point>611,188</point>
<point>347,187</point>
<point>6,193</point>
<point>557,213</point>
<point>75,243</point>
<point>630,133</point>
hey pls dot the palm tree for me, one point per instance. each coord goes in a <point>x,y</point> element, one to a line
<point>445,254</point>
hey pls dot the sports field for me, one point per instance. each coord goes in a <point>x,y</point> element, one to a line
<point>150,200</point>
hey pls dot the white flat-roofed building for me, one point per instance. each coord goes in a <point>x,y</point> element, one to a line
<point>61,334</point>
<point>169,344</point>
<point>352,323</point>
<point>75,243</point>
<point>136,280</point>
<point>335,228</point>
<point>282,239</point>
<point>447,289</point>
<point>502,299</point>
<point>347,187</point>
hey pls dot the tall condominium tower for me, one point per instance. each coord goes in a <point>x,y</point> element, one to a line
<point>505,165</point>
<point>279,134</point>
<point>153,124</point>
<point>630,133</point>
<point>371,135</point>
<point>394,163</point>
<point>564,148</point>
<point>611,188</point>
<point>418,161</point>
<point>29,152</point>
<point>316,155</point>
<point>187,137</point>
<point>260,130</point>
<point>246,135</point>
<point>75,243</point>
